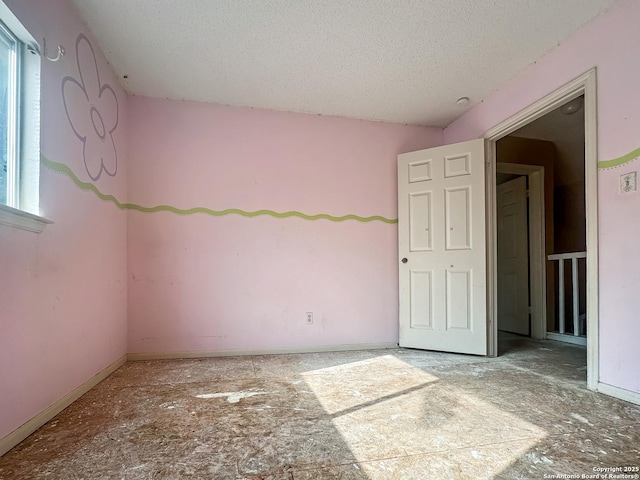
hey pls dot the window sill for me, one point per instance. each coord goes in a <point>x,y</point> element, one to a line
<point>13,217</point>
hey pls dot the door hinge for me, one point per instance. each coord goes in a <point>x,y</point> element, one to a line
<point>530,309</point>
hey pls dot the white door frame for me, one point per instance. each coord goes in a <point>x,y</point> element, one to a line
<point>583,85</point>
<point>537,260</point>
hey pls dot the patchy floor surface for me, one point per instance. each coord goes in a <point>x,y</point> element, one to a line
<point>383,414</point>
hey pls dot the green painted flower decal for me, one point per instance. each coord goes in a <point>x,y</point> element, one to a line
<point>92,111</point>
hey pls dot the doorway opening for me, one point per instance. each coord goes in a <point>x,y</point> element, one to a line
<point>555,143</point>
<point>542,241</point>
<point>521,249</point>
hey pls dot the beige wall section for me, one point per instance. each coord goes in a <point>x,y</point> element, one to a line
<point>567,134</point>
<point>537,152</point>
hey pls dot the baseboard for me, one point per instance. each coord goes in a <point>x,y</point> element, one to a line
<point>22,432</point>
<point>621,393</point>
<point>276,351</point>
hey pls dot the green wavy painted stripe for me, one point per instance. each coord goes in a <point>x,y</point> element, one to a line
<point>65,170</point>
<point>616,162</point>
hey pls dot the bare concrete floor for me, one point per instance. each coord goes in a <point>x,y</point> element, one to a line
<point>386,414</point>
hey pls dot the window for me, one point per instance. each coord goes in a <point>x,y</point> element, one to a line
<point>8,117</point>
<point>19,125</point>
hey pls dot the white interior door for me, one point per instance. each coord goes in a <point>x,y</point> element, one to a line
<point>513,257</point>
<point>441,240</point>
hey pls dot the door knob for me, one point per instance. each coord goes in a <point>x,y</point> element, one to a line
<point>404,260</point>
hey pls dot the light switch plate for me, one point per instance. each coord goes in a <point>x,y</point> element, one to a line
<point>628,182</point>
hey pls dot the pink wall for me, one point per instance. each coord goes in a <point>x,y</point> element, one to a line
<point>63,292</point>
<point>611,43</point>
<point>199,283</point>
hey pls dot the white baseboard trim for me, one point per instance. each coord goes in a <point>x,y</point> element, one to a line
<point>617,392</point>
<point>134,357</point>
<point>562,337</point>
<point>22,432</point>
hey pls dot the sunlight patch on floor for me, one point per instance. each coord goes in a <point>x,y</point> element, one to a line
<point>346,386</point>
<point>383,407</point>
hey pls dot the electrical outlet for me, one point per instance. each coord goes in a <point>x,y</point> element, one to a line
<point>628,182</point>
<point>309,318</point>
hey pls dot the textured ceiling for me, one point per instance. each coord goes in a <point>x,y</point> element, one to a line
<point>404,61</point>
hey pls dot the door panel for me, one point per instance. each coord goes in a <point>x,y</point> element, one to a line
<point>421,295</point>
<point>441,234</point>
<point>458,216</point>
<point>458,300</point>
<point>513,257</point>
<point>420,228</point>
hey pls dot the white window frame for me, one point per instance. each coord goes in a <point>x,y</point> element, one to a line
<point>22,209</point>
<point>13,118</point>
